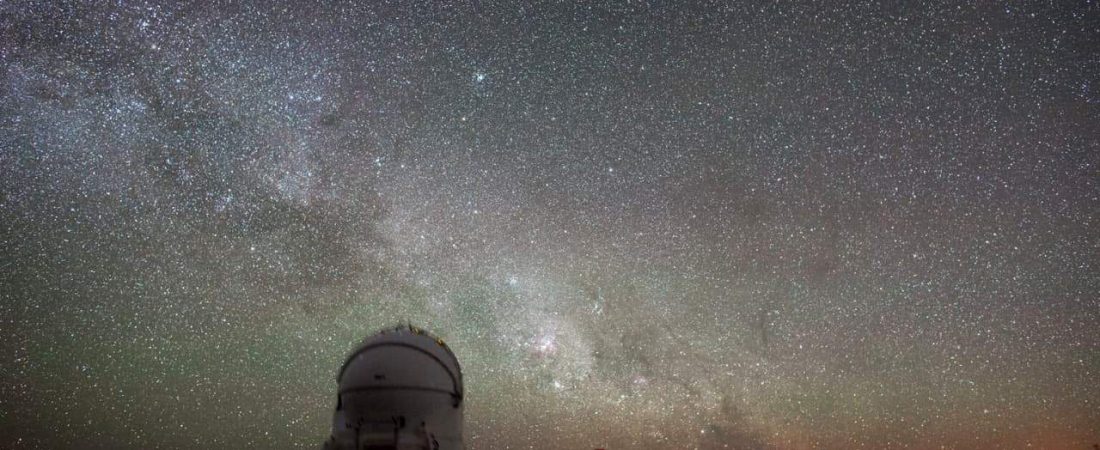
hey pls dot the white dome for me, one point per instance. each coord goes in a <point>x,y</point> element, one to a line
<point>400,389</point>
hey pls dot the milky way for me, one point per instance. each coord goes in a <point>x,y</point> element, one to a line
<point>638,225</point>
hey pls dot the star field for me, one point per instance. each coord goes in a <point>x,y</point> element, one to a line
<point>637,224</point>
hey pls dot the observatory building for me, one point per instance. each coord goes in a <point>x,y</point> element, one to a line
<point>401,389</point>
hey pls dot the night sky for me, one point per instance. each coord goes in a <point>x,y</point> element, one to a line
<point>639,224</point>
